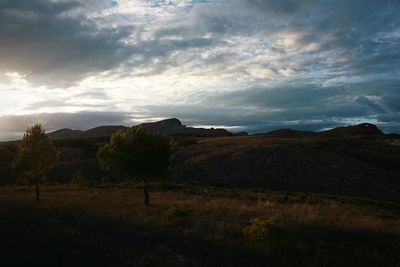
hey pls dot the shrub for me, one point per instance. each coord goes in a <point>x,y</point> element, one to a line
<point>178,215</point>
<point>269,231</point>
<point>106,181</point>
<point>80,179</point>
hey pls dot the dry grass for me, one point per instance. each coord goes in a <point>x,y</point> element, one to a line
<point>231,212</point>
<point>221,219</point>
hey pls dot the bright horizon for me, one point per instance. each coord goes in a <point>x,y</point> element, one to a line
<point>244,65</point>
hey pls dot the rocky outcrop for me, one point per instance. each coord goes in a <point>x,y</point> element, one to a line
<point>174,127</point>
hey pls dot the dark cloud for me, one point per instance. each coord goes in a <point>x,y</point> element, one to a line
<point>281,7</point>
<point>363,33</point>
<point>392,101</point>
<point>54,42</point>
<point>370,103</point>
<point>301,106</point>
<point>344,57</point>
<point>282,96</point>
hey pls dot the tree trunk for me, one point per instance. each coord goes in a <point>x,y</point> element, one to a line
<point>146,195</point>
<point>37,192</point>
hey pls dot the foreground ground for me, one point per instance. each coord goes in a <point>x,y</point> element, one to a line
<point>192,226</point>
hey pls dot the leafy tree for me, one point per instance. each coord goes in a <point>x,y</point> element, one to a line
<point>138,154</point>
<point>36,156</point>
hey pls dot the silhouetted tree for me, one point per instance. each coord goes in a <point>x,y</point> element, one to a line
<point>36,156</point>
<point>138,154</point>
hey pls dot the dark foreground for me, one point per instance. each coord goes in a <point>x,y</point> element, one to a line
<point>192,226</point>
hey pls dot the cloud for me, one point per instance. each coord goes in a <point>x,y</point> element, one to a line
<point>54,42</point>
<point>300,106</point>
<point>255,64</point>
<point>65,41</point>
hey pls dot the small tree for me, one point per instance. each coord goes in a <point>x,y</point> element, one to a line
<point>36,156</point>
<point>138,154</point>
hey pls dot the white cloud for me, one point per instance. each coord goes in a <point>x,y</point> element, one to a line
<point>126,55</point>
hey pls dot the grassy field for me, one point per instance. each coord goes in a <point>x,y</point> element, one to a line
<point>193,226</point>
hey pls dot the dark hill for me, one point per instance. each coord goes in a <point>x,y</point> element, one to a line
<point>343,166</point>
<point>102,131</point>
<point>65,134</point>
<point>364,167</point>
<point>171,127</point>
<point>364,129</point>
<point>174,127</point>
<point>98,132</point>
<point>360,130</point>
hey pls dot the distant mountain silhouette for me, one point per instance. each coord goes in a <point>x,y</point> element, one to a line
<point>98,132</point>
<point>361,130</point>
<point>174,127</point>
<point>356,160</point>
<point>171,127</point>
<point>103,131</point>
<point>65,134</point>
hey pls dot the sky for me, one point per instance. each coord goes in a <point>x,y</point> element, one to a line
<point>245,65</point>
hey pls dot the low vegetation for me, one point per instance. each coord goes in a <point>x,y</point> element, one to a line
<point>97,219</point>
<point>194,226</point>
<point>271,231</point>
<point>80,179</point>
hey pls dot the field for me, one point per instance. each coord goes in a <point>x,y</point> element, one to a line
<point>193,226</point>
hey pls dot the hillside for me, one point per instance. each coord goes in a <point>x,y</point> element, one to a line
<point>363,129</point>
<point>342,166</point>
<point>174,127</point>
<point>356,161</point>
<point>97,132</point>
<point>65,133</point>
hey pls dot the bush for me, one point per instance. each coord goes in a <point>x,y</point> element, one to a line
<point>270,231</point>
<point>178,215</point>
<point>106,181</point>
<point>80,179</point>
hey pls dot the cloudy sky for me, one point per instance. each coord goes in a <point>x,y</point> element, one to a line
<point>251,65</point>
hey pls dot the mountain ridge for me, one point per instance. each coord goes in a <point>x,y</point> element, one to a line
<point>174,127</point>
